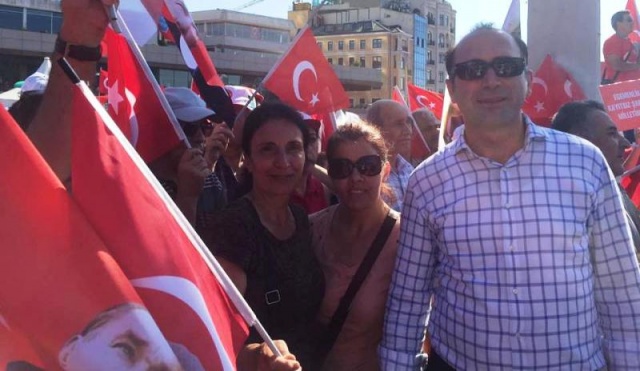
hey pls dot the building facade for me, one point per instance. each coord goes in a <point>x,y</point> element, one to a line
<point>429,26</point>
<point>243,46</point>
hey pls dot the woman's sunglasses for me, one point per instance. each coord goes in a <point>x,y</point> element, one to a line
<point>341,168</point>
<point>475,69</point>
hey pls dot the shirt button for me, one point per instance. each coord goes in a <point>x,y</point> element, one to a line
<point>515,291</point>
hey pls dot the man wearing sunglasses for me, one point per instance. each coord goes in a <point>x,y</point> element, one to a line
<point>185,173</point>
<point>620,55</point>
<point>395,123</point>
<point>516,232</point>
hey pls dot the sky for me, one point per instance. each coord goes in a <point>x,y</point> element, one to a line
<point>469,12</point>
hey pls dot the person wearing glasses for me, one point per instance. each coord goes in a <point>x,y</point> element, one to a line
<point>396,124</point>
<point>517,232</point>
<point>342,236</point>
<point>185,173</point>
<point>621,56</point>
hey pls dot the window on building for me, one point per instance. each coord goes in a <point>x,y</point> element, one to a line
<point>340,45</point>
<point>395,62</point>
<point>363,62</point>
<point>441,76</point>
<point>174,78</point>
<point>39,21</point>
<point>376,43</point>
<point>363,44</point>
<point>446,20</point>
<point>402,63</point>
<point>429,75</point>
<point>441,40</point>
<point>319,43</point>
<point>376,62</point>
<point>362,102</point>
<point>352,61</point>
<point>340,61</point>
<point>442,57</point>
<point>401,83</point>
<point>351,103</point>
<point>373,100</point>
<point>417,41</point>
<point>330,45</point>
<point>429,56</point>
<point>330,60</point>
<point>352,44</point>
<point>395,81</point>
<point>11,17</point>
<point>441,20</point>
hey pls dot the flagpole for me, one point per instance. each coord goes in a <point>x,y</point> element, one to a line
<point>216,269</point>
<point>152,79</point>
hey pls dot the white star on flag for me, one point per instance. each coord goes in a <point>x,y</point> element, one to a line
<point>314,99</point>
<point>432,105</point>
<point>539,106</point>
<point>114,97</point>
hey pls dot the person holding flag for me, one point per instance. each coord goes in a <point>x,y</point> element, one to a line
<point>83,27</point>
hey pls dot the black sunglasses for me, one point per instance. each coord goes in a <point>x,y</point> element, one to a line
<point>191,128</point>
<point>475,69</point>
<point>341,168</point>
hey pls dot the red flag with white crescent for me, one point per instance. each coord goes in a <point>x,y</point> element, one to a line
<point>133,103</point>
<point>153,243</point>
<point>305,80</point>
<point>423,98</point>
<point>633,10</point>
<point>552,86</point>
<point>58,277</point>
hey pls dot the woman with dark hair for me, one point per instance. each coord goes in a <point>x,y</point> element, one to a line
<point>262,241</point>
<point>345,236</point>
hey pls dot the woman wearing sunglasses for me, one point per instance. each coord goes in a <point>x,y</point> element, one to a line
<point>263,242</point>
<point>344,236</point>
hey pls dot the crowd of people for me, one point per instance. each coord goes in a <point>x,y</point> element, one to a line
<point>514,240</point>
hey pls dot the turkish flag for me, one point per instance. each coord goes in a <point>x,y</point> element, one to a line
<point>422,98</point>
<point>134,105</point>
<point>152,241</point>
<point>552,87</point>
<point>103,80</point>
<point>56,273</point>
<point>419,147</point>
<point>631,185</point>
<point>305,80</point>
<point>633,9</point>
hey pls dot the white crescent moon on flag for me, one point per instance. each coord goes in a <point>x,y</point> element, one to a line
<point>185,291</point>
<point>420,98</point>
<point>3,322</point>
<point>133,120</point>
<point>105,82</point>
<point>567,89</point>
<point>537,80</point>
<point>300,68</point>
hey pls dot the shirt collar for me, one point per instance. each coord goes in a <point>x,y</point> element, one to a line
<point>534,133</point>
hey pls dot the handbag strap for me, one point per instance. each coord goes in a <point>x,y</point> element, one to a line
<point>339,317</point>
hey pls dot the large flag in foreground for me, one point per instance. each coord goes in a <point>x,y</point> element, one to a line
<point>134,104</point>
<point>552,87</point>
<point>151,241</point>
<point>423,98</point>
<point>304,79</point>
<point>58,278</point>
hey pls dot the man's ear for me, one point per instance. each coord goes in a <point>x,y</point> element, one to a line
<point>67,349</point>
<point>528,75</point>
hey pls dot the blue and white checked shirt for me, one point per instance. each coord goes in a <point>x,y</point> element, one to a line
<point>507,250</point>
<point>398,180</point>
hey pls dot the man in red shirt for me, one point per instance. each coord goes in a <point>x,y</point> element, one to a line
<point>621,55</point>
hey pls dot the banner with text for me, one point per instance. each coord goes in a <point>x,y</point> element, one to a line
<point>622,101</point>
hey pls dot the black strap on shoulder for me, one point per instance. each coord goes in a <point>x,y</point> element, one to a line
<point>337,321</point>
<point>615,76</point>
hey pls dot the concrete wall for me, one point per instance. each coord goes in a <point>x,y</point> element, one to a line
<point>569,30</point>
